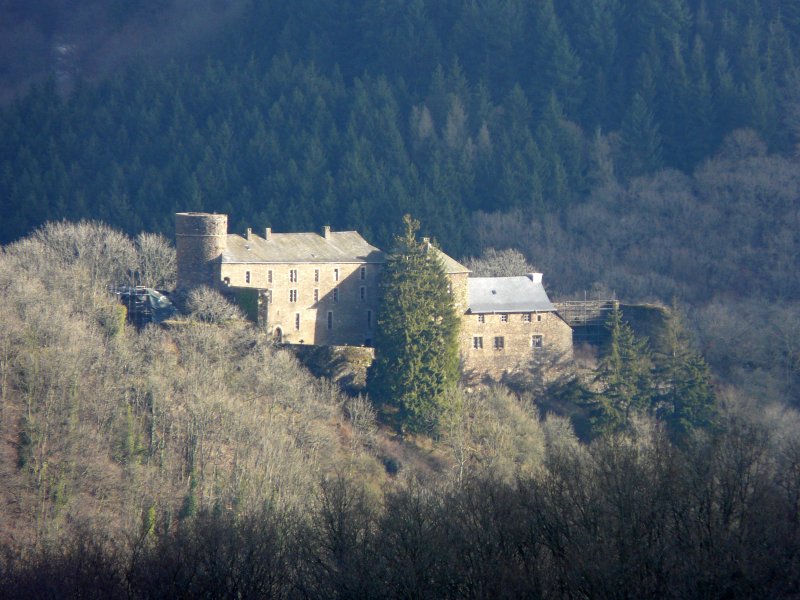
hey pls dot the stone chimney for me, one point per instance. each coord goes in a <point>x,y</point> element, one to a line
<point>426,241</point>
<point>535,277</point>
<point>268,233</point>
<point>326,232</point>
<point>249,233</point>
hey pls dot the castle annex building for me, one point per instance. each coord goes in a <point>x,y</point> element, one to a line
<point>322,289</point>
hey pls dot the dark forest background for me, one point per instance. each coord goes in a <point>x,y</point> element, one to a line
<point>306,114</point>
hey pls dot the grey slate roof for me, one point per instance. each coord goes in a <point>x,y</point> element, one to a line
<point>507,294</point>
<point>339,247</point>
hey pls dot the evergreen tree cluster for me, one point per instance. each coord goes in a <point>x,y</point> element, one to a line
<point>355,114</point>
<point>673,384</point>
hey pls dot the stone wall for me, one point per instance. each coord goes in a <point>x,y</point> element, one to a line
<point>339,289</point>
<point>519,346</point>
<point>459,290</point>
<point>200,240</point>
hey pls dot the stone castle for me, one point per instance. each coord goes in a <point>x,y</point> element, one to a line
<point>322,289</point>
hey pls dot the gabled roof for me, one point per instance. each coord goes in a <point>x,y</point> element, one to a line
<point>508,294</point>
<point>338,247</point>
<point>450,264</point>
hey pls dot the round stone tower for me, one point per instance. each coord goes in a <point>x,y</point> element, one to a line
<point>200,240</point>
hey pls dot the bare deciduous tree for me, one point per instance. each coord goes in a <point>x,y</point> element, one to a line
<point>209,306</point>
<point>156,261</point>
<point>499,263</point>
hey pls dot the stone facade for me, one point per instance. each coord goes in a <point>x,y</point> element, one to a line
<point>312,289</point>
<point>313,303</point>
<point>493,345</point>
<point>323,290</point>
<point>458,287</point>
<point>200,240</point>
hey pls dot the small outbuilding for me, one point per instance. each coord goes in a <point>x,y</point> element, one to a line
<point>509,325</point>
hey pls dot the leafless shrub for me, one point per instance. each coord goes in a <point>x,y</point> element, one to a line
<point>108,255</point>
<point>502,263</point>
<point>492,431</point>
<point>742,143</point>
<point>362,418</point>
<point>209,306</point>
<point>156,261</point>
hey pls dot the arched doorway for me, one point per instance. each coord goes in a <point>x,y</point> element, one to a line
<point>277,336</point>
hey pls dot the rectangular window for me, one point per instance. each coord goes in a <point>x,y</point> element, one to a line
<point>335,294</point>
<point>499,343</point>
<point>481,319</point>
<point>477,343</point>
<point>269,276</point>
<point>538,317</point>
<point>316,294</point>
<point>316,275</point>
<point>363,292</point>
<point>247,276</point>
<point>297,321</point>
<point>504,318</point>
<point>293,275</point>
<point>292,295</point>
<point>369,319</point>
<point>363,273</point>
<point>526,317</point>
<point>336,274</point>
<point>537,341</point>
<point>330,319</point>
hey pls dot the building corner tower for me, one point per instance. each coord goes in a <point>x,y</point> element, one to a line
<point>200,240</point>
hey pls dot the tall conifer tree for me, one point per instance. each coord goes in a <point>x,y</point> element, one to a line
<point>416,347</point>
<point>625,372</point>
<point>685,399</point>
<point>641,140</point>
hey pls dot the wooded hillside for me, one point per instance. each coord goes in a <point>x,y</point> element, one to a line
<point>200,460</point>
